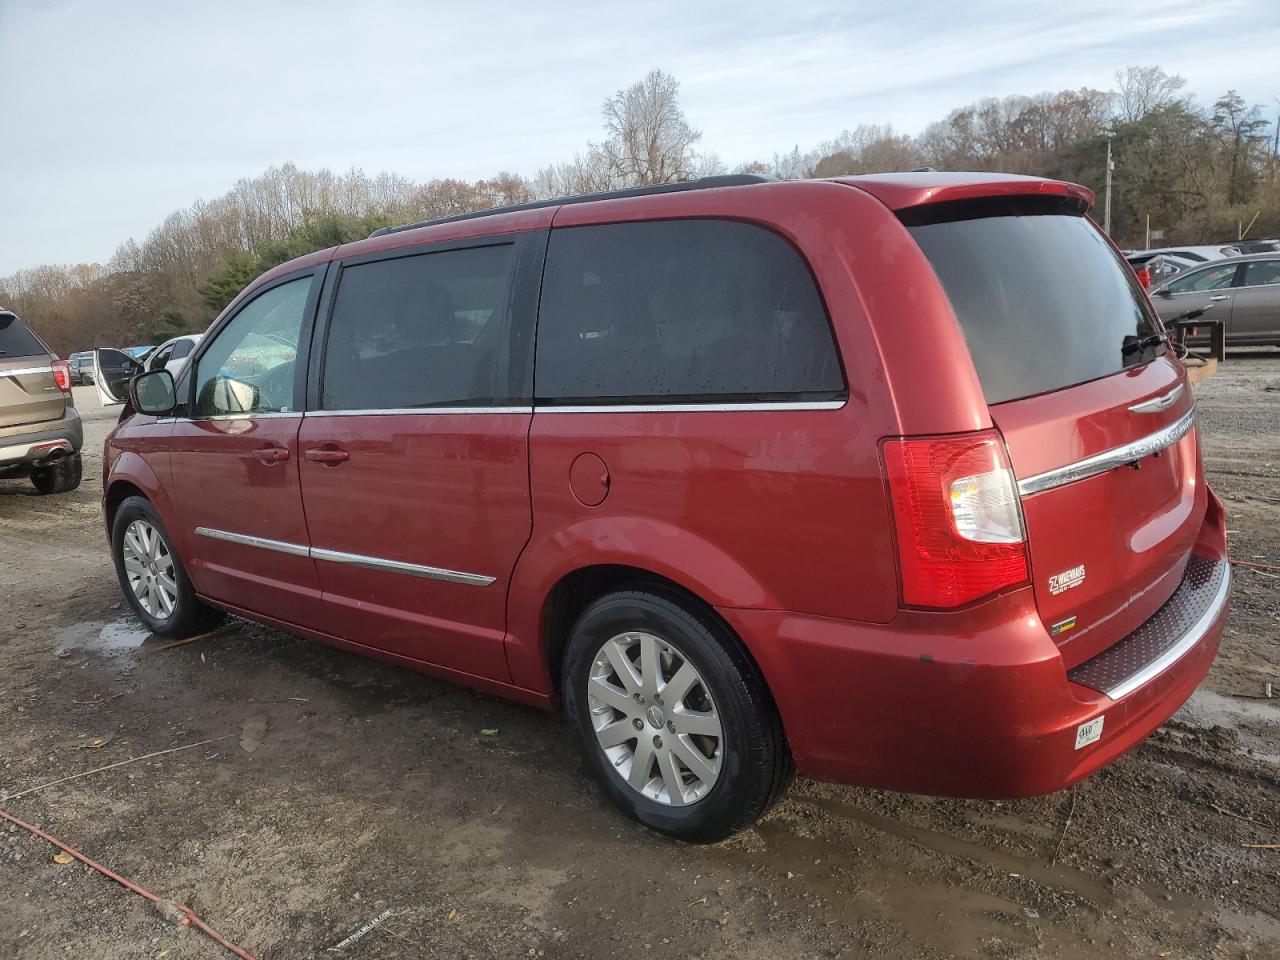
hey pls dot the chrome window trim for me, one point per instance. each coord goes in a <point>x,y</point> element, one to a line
<point>1181,648</point>
<point>271,415</point>
<point>25,371</point>
<point>708,407</point>
<point>1109,459</point>
<point>279,546</point>
<point>351,559</point>
<point>1156,404</point>
<point>414,411</point>
<point>399,566</point>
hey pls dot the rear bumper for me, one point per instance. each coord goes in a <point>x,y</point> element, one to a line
<point>979,703</point>
<point>34,446</point>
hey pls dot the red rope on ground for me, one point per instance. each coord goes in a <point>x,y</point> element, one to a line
<point>188,915</point>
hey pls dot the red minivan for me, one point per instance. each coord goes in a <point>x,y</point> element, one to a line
<point>889,480</point>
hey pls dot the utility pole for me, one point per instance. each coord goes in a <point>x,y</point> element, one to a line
<point>1106,210</point>
<point>1148,246</point>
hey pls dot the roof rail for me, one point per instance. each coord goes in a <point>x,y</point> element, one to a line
<point>702,183</point>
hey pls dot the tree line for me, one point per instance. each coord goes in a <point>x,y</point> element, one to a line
<point>1200,173</point>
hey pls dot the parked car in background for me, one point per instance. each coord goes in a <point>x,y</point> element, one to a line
<point>81,367</point>
<point>40,431</point>
<point>1258,246</point>
<point>891,480</point>
<point>1242,292</point>
<point>172,354</point>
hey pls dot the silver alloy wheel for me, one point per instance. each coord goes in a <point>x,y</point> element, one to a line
<point>654,718</point>
<point>148,564</point>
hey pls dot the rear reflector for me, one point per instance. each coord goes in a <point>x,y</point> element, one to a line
<point>62,375</point>
<point>956,516</point>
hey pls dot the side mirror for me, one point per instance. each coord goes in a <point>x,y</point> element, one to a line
<point>153,393</point>
<point>1164,292</point>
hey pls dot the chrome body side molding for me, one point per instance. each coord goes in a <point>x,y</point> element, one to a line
<point>351,559</point>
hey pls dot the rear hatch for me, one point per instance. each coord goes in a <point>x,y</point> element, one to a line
<point>1094,409</point>
<point>28,392</point>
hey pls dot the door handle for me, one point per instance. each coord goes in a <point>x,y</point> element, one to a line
<point>329,455</point>
<point>271,454</point>
<point>1221,296</point>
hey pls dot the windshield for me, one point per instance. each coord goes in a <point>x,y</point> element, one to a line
<point>1043,299</point>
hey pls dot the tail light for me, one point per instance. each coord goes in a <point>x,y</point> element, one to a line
<point>62,375</point>
<point>957,518</point>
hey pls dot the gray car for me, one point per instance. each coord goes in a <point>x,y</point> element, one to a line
<point>40,432</point>
<point>1242,292</point>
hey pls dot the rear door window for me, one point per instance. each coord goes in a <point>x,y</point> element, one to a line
<point>426,330</point>
<point>1260,273</point>
<point>1042,298</point>
<point>681,310</point>
<point>16,340</point>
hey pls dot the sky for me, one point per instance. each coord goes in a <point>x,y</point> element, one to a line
<point>115,114</point>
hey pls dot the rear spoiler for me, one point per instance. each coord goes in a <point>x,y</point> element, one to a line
<point>902,191</point>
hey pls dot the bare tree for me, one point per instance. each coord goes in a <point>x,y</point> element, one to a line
<point>1141,90</point>
<point>648,140</point>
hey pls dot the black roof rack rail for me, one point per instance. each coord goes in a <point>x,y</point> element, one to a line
<point>702,183</point>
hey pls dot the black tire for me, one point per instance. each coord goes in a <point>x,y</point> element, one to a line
<point>60,477</point>
<point>755,764</point>
<point>189,615</point>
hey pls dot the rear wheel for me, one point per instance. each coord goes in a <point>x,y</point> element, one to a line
<point>152,576</point>
<point>60,477</point>
<point>675,720</point>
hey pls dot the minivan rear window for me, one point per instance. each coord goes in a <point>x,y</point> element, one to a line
<point>675,311</point>
<point>1043,299</point>
<point>16,340</point>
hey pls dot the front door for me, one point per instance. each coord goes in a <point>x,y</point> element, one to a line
<point>235,458</point>
<point>415,472</point>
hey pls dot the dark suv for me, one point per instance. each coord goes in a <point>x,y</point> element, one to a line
<point>40,434</point>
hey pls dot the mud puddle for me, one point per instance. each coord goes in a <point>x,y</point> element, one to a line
<point>113,639</point>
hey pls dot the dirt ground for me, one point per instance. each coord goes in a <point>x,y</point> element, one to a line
<point>335,789</point>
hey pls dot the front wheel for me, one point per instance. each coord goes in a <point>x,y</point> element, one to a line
<point>152,576</point>
<point>677,725</point>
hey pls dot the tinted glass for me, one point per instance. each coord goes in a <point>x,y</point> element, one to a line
<point>1262,273</point>
<point>426,330</point>
<point>249,367</point>
<point>680,309</point>
<point>1043,300</point>
<point>1212,278</point>
<point>181,349</point>
<point>16,340</point>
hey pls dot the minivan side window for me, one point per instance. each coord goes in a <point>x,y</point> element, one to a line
<point>249,366</point>
<point>431,329</point>
<point>681,311</point>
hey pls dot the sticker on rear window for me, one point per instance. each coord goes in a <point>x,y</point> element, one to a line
<point>1067,579</point>
<point>1090,732</point>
